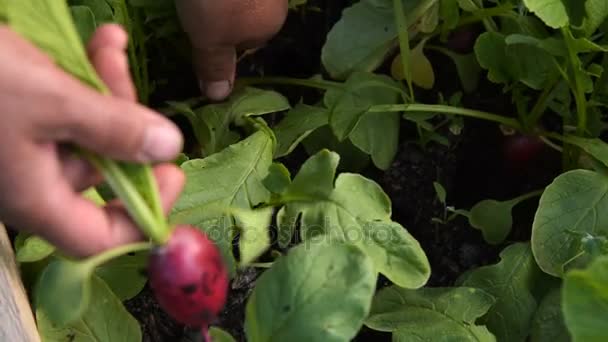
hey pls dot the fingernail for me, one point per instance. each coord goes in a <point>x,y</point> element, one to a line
<point>216,91</point>
<point>161,143</point>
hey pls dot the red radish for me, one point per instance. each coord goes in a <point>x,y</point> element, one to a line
<point>189,278</point>
<point>519,150</point>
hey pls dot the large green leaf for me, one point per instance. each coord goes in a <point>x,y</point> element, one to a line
<point>232,178</point>
<point>366,34</point>
<point>573,207</point>
<point>585,302</point>
<point>511,282</point>
<point>548,324</point>
<point>431,314</point>
<point>106,320</point>
<point>356,210</point>
<point>318,292</point>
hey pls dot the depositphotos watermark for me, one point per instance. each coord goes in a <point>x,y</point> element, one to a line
<point>225,231</point>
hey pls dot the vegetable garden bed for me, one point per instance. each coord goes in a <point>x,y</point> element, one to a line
<point>394,169</point>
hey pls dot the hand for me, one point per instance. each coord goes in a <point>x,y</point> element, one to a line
<point>218,28</point>
<point>41,108</point>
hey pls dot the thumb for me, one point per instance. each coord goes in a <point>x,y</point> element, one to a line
<point>114,127</point>
<point>215,68</point>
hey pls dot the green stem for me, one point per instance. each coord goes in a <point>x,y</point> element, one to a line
<point>425,108</point>
<point>155,228</point>
<point>577,85</point>
<point>261,265</point>
<point>527,196</point>
<point>102,258</point>
<point>485,13</point>
<point>404,44</point>
<point>541,104</point>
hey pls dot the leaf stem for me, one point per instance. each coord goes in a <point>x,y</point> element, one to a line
<point>154,227</point>
<point>577,84</point>
<point>426,108</point>
<point>404,44</point>
<point>113,253</point>
<point>485,13</point>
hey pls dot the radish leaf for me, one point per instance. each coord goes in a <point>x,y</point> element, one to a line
<point>106,320</point>
<point>355,210</point>
<point>574,205</point>
<point>585,301</point>
<point>429,312</point>
<point>317,292</point>
<point>510,281</point>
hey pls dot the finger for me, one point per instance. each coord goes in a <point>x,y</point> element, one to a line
<point>171,180</point>
<point>79,173</point>
<point>114,127</point>
<point>215,68</point>
<point>107,53</point>
<point>88,229</point>
<point>108,36</point>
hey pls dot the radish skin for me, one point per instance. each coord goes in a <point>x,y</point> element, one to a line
<point>189,277</point>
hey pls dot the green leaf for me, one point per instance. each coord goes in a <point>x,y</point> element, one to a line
<point>232,178</point>
<point>349,103</point>
<point>101,9</point>
<point>377,134</point>
<point>422,71</point>
<point>49,25</point>
<point>548,324</point>
<point>554,13</point>
<point>440,191</point>
<point>278,179</point>
<point>318,292</point>
<point>366,34</point>
<point>64,291</point>
<point>84,19</point>
<point>124,274</point>
<point>490,51</point>
<point>511,282</point>
<point>211,123</point>
<point>219,335</point>
<point>493,218</point>
<point>298,124</point>
<point>254,239</point>
<point>585,302</point>
<point>33,249</point>
<point>506,63</point>
<point>430,314</point>
<point>597,148</point>
<point>355,210</point>
<point>573,206</point>
<point>106,320</point>
<point>596,13</point>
